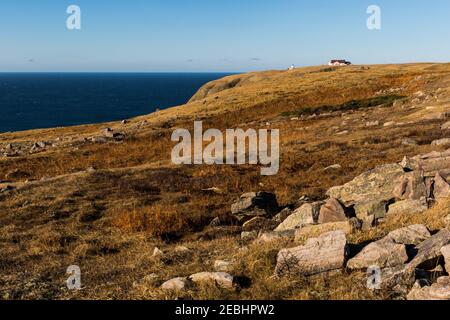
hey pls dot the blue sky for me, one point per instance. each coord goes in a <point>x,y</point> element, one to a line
<point>217,35</point>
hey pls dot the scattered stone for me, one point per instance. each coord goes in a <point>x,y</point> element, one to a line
<point>332,211</point>
<point>438,291</point>
<point>222,279</point>
<point>412,235</point>
<point>407,206</point>
<point>446,126</point>
<point>175,284</point>
<point>124,121</point>
<point>253,204</point>
<point>157,252</point>
<point>445,142</point>
<point>341,133</point>
<point>322,254</point>
<point>389,124</point>
<point>372,123</point>
<point>333,167</point>
<point>409,142</point>
<point>382,253</point>
<point>305,215</point>
<point>181,249</point>
<point>410,186</point>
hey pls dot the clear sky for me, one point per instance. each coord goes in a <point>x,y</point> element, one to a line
<point>217,35</point>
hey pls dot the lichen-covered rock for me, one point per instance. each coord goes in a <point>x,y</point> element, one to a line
<point>378,183</point>
<point>382,253</point>
<point>325,253</point>
<point>410,186</point>
<point>408,207</point>
<point>412,235</point>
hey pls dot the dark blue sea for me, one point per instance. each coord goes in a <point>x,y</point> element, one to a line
<point>45,100</point>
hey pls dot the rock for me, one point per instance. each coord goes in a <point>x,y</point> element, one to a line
<point>272,236</point>
<point>253,204</point>
<point>382,253</point>
<point>325,253</point>
<point>410,186</point>
<point>280,217</point>
<point>341,133</point>
<point>333,167</point>
<point>259,223</point>
<point>412,235</point>
<point>305,215</point>
<point>372,123</point>
<point>222,266</point>
<point>157,252</point>
<point>429,164</point>
<point>407,206</point>
<point>446,126</point>
<point>438,291</point>
<point>445,142</point>
<point>181,249</point>
<point>377,184</point>
<point>409,142</point>
<point>389,124</point>
<point>441,188</point>
<point>215,222</point>
<point>175,284</point>
<point>124,122</point>
<point>332,211</point>
<point>249,235</point>
<point>429,252</point>
<point>445,250</point>
<point>221,279</point>
<point>310,231</point>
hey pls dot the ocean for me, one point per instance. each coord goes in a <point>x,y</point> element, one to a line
<point>45,100</point>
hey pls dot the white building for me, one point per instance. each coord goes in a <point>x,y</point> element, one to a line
<point>339,63</point>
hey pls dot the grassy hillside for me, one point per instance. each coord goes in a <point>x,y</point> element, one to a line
<point>106,204</point>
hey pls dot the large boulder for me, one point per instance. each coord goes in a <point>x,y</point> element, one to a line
<point>371,210</point>
<point>325,253</point>
<point>314,230</point>
<point>254,204</point>
<point>307,214</point>
<point>429,252</point>
<point>437,291</point>
<point>332,211</point>
<point>382,253</point>
<point>411,235</point>
<point>378,183</point>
